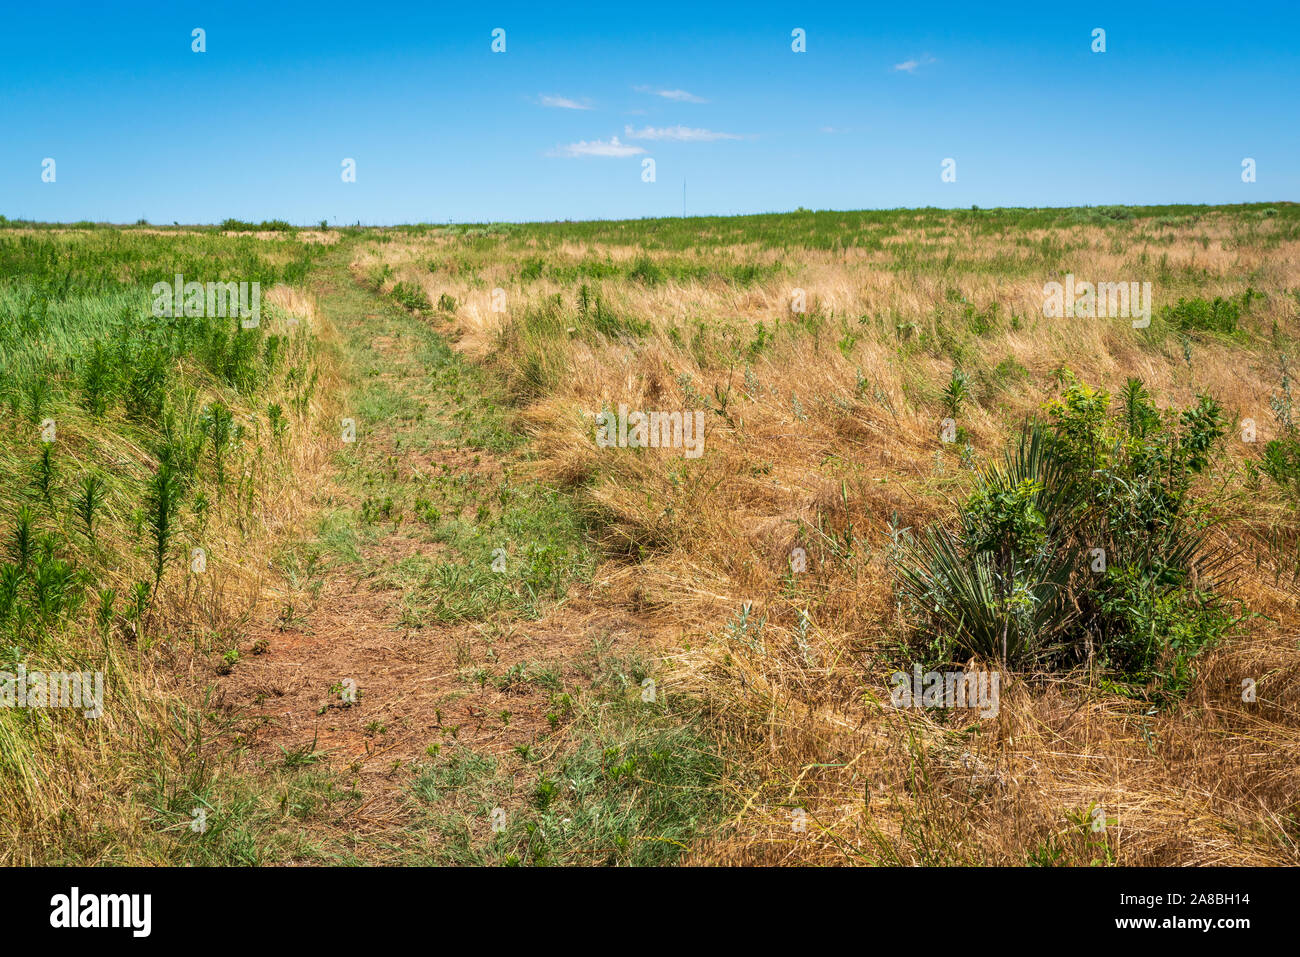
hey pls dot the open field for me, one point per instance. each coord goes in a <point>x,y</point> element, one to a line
<point>487,627</point>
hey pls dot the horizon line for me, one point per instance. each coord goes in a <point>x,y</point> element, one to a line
<point>274,224</point>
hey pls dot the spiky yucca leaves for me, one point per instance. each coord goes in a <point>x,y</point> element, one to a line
<point>1000,588</point>
<point>1006,614</point>
<point>1081,544</point>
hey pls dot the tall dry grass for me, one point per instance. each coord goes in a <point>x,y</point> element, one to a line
<point>825,437</point>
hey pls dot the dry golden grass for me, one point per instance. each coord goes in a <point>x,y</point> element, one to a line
<point>829,435</point>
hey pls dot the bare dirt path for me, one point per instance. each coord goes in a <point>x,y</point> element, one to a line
<point>396,644</point>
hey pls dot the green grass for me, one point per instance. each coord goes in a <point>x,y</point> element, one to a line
<point>837,229</point>
<point>508,546</point>
<point>130,439</point>
<point>633,783</point>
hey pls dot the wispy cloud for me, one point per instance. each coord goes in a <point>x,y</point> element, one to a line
<point>597,148</point>
<point>683,134</point>
<point>562,102</point>
<point>681,96</point>
<point>910,66</point>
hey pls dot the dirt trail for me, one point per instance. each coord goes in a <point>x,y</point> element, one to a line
<point>420,685</point>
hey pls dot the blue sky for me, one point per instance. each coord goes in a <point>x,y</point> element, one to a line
<point>442,128</point>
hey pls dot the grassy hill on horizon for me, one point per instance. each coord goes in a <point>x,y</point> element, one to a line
<point>1023,215</point>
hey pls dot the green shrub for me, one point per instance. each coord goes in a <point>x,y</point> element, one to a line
<point>1082,544</point>
<point>412,297</point>
<point>1281,462</point>
<point>956,393</point>
<point>1200,315</point>
<point>532,268</point>
<point>646,271</point>
<point>267,225</point>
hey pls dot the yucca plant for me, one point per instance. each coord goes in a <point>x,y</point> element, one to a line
<point>1013,614</point>
<point>1075,546</point>
<point>999,588</point>
<point>1034,483</point>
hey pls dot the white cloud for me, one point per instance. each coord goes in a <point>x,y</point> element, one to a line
<point>684,134</point>
<point>597,148</point>
<point>562,102</point>
<point>910,66</point>
<point>681,96</point>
